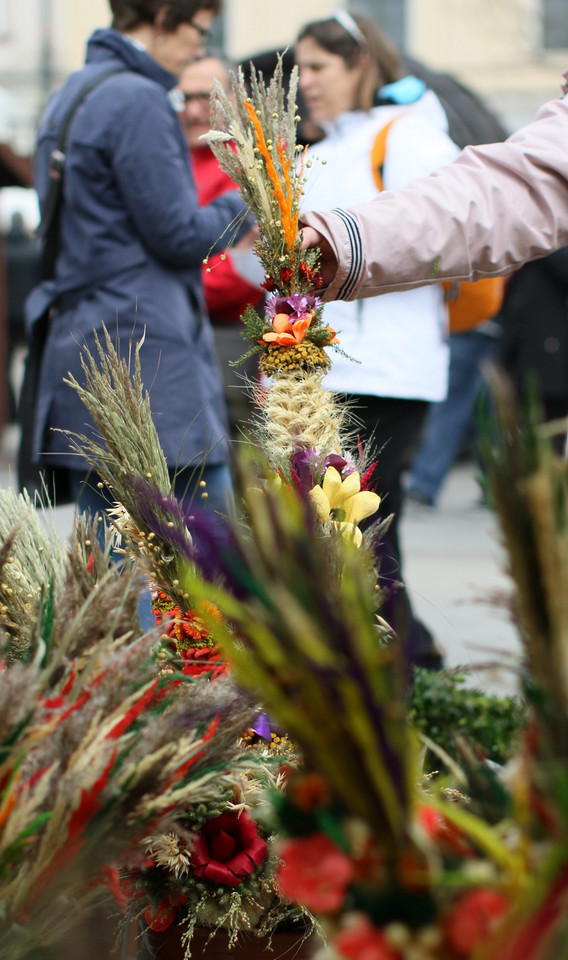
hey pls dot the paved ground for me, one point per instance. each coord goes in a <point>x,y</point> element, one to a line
<point>453,565</point>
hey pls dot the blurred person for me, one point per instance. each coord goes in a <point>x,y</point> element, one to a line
<point>534,344</point>
<point>265,62</point>
<point>132,241</point>
<point>474,341</point>
<point>23,257</point>
<point>346,65</point>
<point>231,279</point>
<point>450,424</point>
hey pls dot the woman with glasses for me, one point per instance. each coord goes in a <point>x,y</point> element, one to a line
<point>132,241</point>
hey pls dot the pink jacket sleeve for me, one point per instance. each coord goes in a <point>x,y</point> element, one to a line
<point>492,209</point>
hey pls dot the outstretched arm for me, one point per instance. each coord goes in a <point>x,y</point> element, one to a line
<point>493,209</point>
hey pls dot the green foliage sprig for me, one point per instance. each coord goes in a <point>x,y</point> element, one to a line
<point>443,707</point>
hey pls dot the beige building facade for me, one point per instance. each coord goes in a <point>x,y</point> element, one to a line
<point>510,51</point>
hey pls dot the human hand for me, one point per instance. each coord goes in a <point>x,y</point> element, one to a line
<point>328,263</point>
<point>248,240</point>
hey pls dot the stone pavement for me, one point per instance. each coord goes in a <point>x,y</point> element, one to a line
<point>455,568</point>
<point>454,565</point>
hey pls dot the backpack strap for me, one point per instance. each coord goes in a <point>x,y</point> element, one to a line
<point>48,229</point>
<point>379,152</point>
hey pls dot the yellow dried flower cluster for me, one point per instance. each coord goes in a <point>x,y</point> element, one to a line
<point>303,356</point>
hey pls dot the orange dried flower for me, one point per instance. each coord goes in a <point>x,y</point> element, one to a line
<point>288,333</point>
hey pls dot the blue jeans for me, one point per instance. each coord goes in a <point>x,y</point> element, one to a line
<point>450,423</point>
<point>186,485</point>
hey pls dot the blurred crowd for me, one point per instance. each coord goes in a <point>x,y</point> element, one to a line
<point>147,248</point>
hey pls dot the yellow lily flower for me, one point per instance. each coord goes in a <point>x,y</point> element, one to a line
<point>344,501</point>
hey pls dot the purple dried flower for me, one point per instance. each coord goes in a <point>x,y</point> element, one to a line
<point>305,466</point>
<point>261,727</point>
<point>344,465</point>
<point>217,553</point>
<point>309,468</point>
<point>296,305</point>
<point>157,510</point>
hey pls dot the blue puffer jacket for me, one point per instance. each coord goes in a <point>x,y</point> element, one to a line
<point>132,241</point>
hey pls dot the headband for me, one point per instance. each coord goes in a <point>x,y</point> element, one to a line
<point>345,20</point>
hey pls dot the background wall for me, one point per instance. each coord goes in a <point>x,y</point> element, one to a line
<point>510,51</point>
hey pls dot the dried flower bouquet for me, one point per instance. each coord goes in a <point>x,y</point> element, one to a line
<point>303,429</point>
<point>98,746</point>
<point>214,868</point>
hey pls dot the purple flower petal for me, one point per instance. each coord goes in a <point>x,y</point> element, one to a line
<point>297,305</point>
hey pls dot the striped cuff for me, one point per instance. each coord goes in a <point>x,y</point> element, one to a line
<point>356,253</point>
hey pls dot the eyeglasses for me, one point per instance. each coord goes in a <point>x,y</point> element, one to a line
<point>201,98</point>
<point>204,33</point>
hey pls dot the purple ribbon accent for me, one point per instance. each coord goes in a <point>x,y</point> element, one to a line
<point>261,727</point>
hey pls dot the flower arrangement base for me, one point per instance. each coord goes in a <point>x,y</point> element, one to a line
<point>288,944</point>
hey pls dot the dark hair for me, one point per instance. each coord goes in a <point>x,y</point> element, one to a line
<point>383,64</point>
<point>127,14</point>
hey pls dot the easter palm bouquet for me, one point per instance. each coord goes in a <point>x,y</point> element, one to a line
<point>213,870</point>
<point>303,429</point>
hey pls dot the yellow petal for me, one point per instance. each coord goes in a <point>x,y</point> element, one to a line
<point>349,531</point>
<point>350,486</point>
<point>320,501</point>
<point>361,505</point>
<point>332,486</point>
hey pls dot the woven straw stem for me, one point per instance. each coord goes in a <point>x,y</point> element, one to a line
<point>297,413</point>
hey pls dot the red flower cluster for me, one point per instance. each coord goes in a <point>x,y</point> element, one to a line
<point>228,849</point>
<point>203,656</point>
<point>201,660</point>
<point>364,942</point>
<point>314,872</point>
<point>473,919</point>
<point>181,626</point>
<point>311,275</point>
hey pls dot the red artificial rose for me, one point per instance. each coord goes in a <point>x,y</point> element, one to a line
<point>473,918</point>
<point>364,942</point>
<point>314,872</point>
<point>227,849</point>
